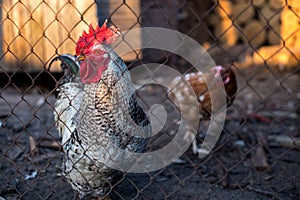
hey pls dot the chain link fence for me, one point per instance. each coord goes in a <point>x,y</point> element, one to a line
<point>257,155</point>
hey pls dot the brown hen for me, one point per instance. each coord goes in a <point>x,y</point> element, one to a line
<point>202,85</point>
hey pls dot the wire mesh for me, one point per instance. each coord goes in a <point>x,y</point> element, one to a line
<point>257,155</point>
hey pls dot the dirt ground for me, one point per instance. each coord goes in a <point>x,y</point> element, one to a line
<point>228,172</point>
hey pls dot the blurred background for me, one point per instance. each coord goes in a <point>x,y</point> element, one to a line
<point>257,156</point>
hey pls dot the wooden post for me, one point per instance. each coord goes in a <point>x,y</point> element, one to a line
<point>225,32</point>
<point>290,29</point>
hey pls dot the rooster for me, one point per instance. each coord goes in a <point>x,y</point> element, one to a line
<point>97,113</point>
<point>202,86</point>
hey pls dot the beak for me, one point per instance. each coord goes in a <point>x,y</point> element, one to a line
<point>80,58</point>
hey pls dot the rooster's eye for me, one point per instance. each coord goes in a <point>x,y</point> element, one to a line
<point>97,52</point>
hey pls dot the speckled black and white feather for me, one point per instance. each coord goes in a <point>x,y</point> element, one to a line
<point>96,120</point>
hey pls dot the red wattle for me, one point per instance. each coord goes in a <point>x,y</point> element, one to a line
<point>90,72</point>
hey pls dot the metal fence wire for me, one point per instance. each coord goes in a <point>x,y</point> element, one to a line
<point>257,154</point>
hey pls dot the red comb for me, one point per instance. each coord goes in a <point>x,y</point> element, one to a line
<point>103,35</point>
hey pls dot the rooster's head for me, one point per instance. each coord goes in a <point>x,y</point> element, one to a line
<point>92,53</point>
